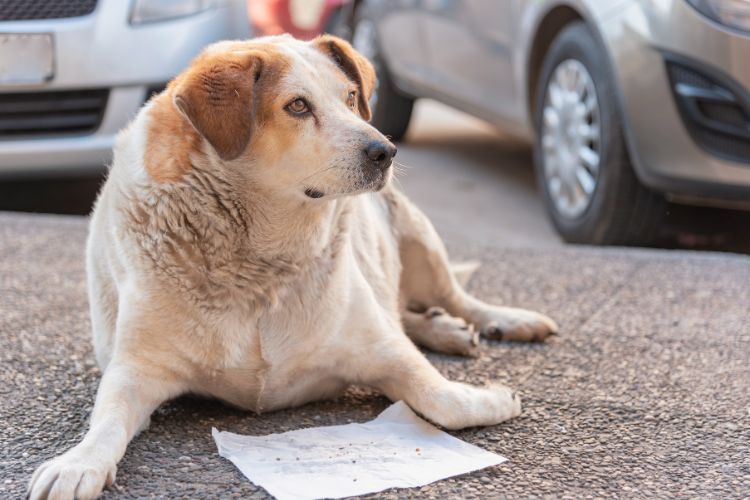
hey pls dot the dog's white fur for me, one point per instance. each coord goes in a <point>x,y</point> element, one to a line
<point>223,278</point>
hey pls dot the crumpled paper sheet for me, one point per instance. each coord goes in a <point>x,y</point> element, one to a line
<point>396,450</point>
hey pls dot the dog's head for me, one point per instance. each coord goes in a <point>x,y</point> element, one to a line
<point>290,116</point>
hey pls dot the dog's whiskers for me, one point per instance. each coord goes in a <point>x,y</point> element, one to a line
<point>302,181</point>
<point>400,169</point>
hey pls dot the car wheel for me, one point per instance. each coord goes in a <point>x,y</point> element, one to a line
<point>391,110</point>
<point>589,186</point>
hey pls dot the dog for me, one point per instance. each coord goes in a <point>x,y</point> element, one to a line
<point>248,246</point>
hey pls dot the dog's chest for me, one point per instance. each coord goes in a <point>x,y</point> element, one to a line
<point>230,360</point>
<point>274,357</point>
<point>294,351</point>
<point>275,361</point>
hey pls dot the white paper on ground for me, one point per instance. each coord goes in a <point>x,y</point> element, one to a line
<point>396,450</point>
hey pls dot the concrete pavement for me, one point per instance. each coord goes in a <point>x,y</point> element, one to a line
<point>645,393</point>
<point>475,184</point>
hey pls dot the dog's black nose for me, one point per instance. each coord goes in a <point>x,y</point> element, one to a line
<point>380,153</point>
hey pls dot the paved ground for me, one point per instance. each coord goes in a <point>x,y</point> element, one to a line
<point>646,392</point>
<point>475,184</point>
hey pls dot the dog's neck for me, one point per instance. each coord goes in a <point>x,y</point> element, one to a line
<point>298,229</point>
<point>219,242</point>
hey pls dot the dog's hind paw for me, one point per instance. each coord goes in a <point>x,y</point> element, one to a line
<point>452,335</point>
<point>521,325</point>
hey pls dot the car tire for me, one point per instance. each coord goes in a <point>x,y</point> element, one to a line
<point>616,209</point>
<point>391,109</point>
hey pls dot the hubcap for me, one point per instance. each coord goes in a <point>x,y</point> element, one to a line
<point>364,40</point>
<point>571,138</point>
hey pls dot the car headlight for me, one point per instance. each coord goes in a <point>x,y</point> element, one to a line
<point>149,11</point>
<point>730,13</point>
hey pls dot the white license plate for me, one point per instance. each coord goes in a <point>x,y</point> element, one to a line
<point>25,58</point>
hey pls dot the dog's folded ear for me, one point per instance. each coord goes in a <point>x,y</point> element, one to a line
<point>216,96</point>
<point>356,67</point>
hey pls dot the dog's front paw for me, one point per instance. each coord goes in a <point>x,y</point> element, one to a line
<point>521,325</point>
<point>508,402</point>
<point>79,473</point>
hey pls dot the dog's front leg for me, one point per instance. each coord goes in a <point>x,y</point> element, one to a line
<point>398,369</point>
<point>128,394</point>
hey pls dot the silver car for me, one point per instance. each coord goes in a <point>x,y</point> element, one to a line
<point>74,72</point>
<point>629,103</point>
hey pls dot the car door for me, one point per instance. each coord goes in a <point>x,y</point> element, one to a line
<point>399,25</point>
<point>469,45</point>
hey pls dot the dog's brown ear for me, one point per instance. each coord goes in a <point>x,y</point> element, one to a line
<point>217,97</point>
<point>356,67</point>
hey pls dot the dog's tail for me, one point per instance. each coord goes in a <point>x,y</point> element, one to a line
<point>463,271</point>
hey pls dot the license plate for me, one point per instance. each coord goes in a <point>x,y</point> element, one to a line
<point>25,58</point>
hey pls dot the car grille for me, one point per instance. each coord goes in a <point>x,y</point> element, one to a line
<point>715,109</point>
<point>26,10</point>
<point>48,113</point>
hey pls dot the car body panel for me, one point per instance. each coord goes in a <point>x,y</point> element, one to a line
<point>531,16</point>
<point>637,39</point>
<point>403,39</point>
<point>482,29</point>
<point>501,32</point>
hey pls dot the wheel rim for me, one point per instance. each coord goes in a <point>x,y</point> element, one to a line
<point>571,138</point>
<point>364,40</point>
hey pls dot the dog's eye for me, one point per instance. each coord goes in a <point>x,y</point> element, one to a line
<point>351,100</point>
<point>298,107</point>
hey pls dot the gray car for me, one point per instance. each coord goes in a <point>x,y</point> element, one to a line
<point>629,103</point>
<point>75,72</point>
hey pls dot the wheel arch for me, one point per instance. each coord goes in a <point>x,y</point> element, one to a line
<point>554,18</point>
<point>550,24</point>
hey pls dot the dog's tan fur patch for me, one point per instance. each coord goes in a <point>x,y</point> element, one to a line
<point>219,98</point>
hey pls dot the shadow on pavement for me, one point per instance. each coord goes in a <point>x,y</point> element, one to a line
<point>69,195</point>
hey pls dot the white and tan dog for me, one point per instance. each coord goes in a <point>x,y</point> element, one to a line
<point>247,246</point>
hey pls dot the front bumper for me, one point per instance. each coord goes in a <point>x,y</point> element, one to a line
<point>665,155</point>
<point>103,51</point>
<point>72,154</point>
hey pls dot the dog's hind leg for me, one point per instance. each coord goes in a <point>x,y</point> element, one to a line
<point>427,280</point>
<point>438,331</point>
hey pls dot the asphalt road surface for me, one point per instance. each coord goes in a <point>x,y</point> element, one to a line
<point>644,394</point>
<point>475,184</point>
